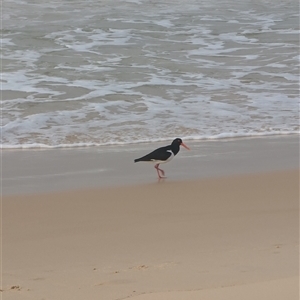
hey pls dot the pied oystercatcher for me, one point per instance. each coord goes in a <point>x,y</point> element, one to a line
<point>163,155</point>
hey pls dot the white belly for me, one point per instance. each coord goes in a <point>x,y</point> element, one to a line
<point>164,161</point>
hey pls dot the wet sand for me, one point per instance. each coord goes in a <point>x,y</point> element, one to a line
<point>39,171</point>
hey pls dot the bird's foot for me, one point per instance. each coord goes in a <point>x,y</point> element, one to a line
<point>162,172</point>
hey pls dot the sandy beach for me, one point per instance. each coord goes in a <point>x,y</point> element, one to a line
<point>222,237</point>
<point>88,88</point>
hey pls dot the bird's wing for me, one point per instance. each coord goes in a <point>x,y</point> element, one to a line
<point>159,154</point>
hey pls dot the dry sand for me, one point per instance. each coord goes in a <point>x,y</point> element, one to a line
<point>222,238</point>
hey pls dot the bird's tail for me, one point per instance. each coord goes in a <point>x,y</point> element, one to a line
<point>137,160</point>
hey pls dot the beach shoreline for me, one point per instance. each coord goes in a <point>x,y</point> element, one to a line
<point>89,87</point>
<point>47,170</point>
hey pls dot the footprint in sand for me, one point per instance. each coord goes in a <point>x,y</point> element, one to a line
<point>157,266</point>
<point>15,287</point>
<point>114,282</point>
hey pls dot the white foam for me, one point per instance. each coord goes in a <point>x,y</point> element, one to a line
<point>104,74</point>
<point>140,141</point>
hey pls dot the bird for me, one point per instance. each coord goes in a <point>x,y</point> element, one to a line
<point>163,155</point>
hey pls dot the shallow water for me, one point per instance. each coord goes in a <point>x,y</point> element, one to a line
<point>116,72</point>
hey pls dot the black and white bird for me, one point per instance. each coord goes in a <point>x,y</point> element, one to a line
<point>163,155</point>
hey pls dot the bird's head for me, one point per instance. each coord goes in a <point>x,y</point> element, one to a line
<point>179,142</point>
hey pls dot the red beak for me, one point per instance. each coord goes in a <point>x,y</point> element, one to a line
<point>185,146</point>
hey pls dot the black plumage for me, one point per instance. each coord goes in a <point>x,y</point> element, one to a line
<point>163,155</point>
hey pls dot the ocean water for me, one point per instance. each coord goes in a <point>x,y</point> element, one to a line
<point>84,73</point>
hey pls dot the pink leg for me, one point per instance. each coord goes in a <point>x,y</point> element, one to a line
<point>159,170</point>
